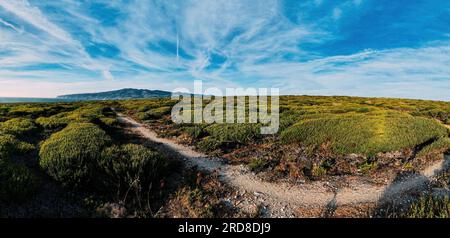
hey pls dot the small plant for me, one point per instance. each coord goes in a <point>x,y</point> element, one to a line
<point>194,132</point>
<point>367,167</point>
<point>258,165</point>
<point>429,206</point>
<point>208,144</point>
<point>318,171</point>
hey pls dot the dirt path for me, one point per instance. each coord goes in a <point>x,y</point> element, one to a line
<point>283,200</point>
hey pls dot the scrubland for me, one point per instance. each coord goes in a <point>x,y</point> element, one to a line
<point>81,153</point>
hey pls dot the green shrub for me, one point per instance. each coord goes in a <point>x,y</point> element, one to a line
<point>9,146</point>
<point>208,144</point>
<point>234,133</point>
<point>110,122</point>
<point>55,122</point>
<point>429,207</point>
<point>33,110</point>
<point>194,132</point>
<point>155,113</point>
<point>17,183</point>
<point>131,166</point>
<point>70,156</point>
<point>18,126</point>
<point>257,165</point>
<point>364,134</point>
<point>440,145</point>
<point>363,109</point>
<point>87,113</point>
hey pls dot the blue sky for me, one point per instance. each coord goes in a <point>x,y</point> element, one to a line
<point>319,47</point>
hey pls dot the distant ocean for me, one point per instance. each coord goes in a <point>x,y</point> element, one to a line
<point>25,100</point>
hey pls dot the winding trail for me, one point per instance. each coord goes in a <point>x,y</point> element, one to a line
<point>283,199</point>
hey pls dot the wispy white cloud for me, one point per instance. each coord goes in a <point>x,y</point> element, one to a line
<point>32,15</point>
<point>164,44</point>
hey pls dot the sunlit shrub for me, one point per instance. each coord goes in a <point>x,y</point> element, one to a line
<point>111,122</point>
<point>87,113</point>
<point>55,122</point>
<point>18,126</point>
<point>70,156</point>
<point>440,145</point>
<point>155,113</point>
<point>365,134</point>
<point>234,133</point>
<point>32,110</point>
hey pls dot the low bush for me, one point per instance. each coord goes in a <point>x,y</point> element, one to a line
<point>195,132</point>
<point>32,110</point>
<point>257,165</point>
<point>156,113</point>
<point>70,156</point>
<point>88,113</point>
<point>18,126</point>
<point>110,122</point>
<point>234,133</point>
<point>440,145</point>
<point>429,206</point>
<point>208,144</point>
<point>364,134</point>
<point>9,146</point>
<point>55,122</point>
<point>17,183</point>
<point>130,166</point>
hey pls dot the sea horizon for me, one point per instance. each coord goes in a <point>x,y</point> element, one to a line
<point>30,99</point>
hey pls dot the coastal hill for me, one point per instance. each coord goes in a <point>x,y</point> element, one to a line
<point>127,93</point>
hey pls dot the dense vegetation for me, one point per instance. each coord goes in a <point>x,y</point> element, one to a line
<point>327,131</point>
<point>77,146</point>
<point>81,147</point>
